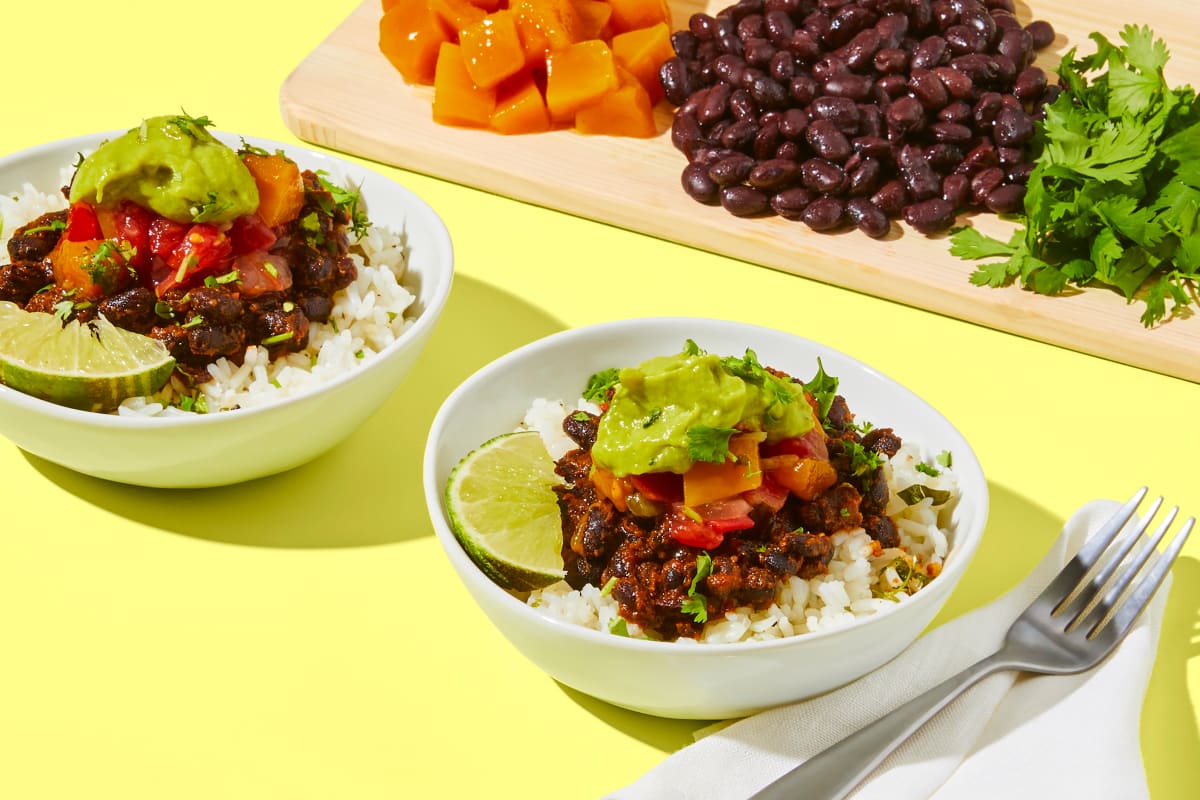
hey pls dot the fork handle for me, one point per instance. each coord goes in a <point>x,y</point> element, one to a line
<point>836,770</point>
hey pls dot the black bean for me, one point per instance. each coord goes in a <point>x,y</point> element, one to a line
<point>780,27</point>
<point>744,201</point>
<point>868,217</point>
<point>731,169</point>
<point>962,40</point>
<point>951,132</point>
<point>769,93</point>
<point>804,46</point>
<point>956,189</point>
<point>892,61</point>
<point>892,29</point>
<point>829,66</point>
<point>729,68</point>
<point>918,175</point>
<point>930,53</point>
<point>793,122</point>
<point>1030,85</point>
<point>920,15</point>
<point>1010,156</point>
<point>751,26</point>
<point>890,86</point>
<point>684,44</point>
<point>790,203</point>
<point>906,114</point>
<point>1006,69</point>
<point>943,157</point>
<point>702,26</point>
<point>984,182</point>
<point>1017,44</point>
<point>872,146</point>
<point>1012,127</point>
<point>767,141</point>
<point>856,87</point>
<point>978,158</point>
<point>782,67</point>
<point>792,151</point>
<point>891,198</point>
<point>870,121</point>
<point>740,135</point>
<point>710,155</point>
<point>698,185</point>
<point>945,14</point>
<point>930,216</point>
<point>758,52</point>
<point>980,68</point>
<point>827,141</point>
<point>978,19</point>
<point>673,76</point>
<point>773,175</point>
<point>1019,173</point>
<point>822,176</point>
<point>986,108</point>
<point>1005,21</point>
<point>824,213</point>
<point>1042,33</point>
<point>715,105</point>
<point>848,21</point>
<point>957,112</point>
<point>742,106</point>
<point>865,178</point>
<point>860,52</point>
<point>1006,199</point>
<point>686,134</point>
<point>802,89</point>
<point>929,89</point>
<point>841,111</point>
<point>958,85</point>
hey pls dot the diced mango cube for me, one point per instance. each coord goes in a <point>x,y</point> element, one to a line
<point>642,52</point>
<point>594,16</point>
<point>456,98</point>
<point>624,111</point>
<point>547,25</point>
<point>629,15</point>
<point>410,37</point>
<point>578,75</point>
<point>491,49</point>
<point>456,14</point>
<point>520,107</point>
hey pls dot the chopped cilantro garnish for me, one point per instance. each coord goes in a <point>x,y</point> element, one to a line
<point>249,148</point>
<point>697,607</point>
<point>654,416</point>
<point>359,353</point>
<point>692,349</point>
<point>211,207</point>
<point>908,575</point>
<point>751,371</point>
<point>862,460</point>
<point>703,570</point>
<point>279,337</point>
<point>581,416</point>
<point>56,225</point>
<point>918,492</point>
<point>928,469</point>
<point>706,443</point>
<point>193,322</point>
<point>945,459</point>
<point>189,124</point>
<point>163,309</point>
<point>348,201</point>
<point>63,309</point>
<point>599,384</point>
<point>618,627</point>
<point>823,388</point>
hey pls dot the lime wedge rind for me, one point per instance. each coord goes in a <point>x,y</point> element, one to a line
<point>504,512</point>
<point>93,367</point>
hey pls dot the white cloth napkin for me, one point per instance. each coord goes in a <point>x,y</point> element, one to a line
<point>1006,737</point>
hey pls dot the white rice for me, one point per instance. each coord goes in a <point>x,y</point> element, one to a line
<point>367,316</point>
<point>858,573</point>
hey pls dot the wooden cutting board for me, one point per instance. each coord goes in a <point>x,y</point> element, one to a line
<point>347,97</point>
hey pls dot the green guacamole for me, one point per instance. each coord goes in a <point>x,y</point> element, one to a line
<point>645,428</point>
<point>171,165</point>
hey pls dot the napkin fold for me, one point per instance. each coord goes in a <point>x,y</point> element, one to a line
<point>1008,736</point>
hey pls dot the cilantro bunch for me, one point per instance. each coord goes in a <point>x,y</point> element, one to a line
<point>1114,196</point>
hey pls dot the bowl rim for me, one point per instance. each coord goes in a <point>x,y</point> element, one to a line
<point>965,545</point>
<point>431,310</point>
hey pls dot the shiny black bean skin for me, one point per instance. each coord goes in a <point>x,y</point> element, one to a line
<point>767,141</point>
<point>1019,173</point>
<point>957,112</point>
<point>919,177</point>
<point>742,106</point>
<point>984,183</point>
<point>981,69</point>
<point>731,170</point>
<point>892,61</point>
<point>891,198</point>
<point>827,141</point>
<point>790,203</point>
<point>744,201</point>
<point>872,146</point>
<point>1006,199</point>
<point>710,155</point>
<point>1010,156</point>
<point>985,110</point>
<point>779,27</point>
<point>978,158</point>
<point>958,85</point>
<point>751,26</point>
<point>791,151</point>
<point>892,29</point>
<point>943,157</point>
<point>782,67</point>
<point>698,185</point>
<point>1012,128</point>
<point>823,177</point>
<point>951,132</point>
<point>729,68</point>
<point>1030,85</point>
<point>870,121</point>
<point>740,135</point>
<point>860,52</point>
<point>802,89</point>
<point>889,87</point>
<point>1042,33</point>
<point>930,216</point>
<point>928,88</point>
<point>684,44</point>
<point>673,76</point>
<point>962,40</point>
<point>686,134</point>
<point>856,87</point>
<point>758,52</point>
<point>906,114</point>
<point>774,174</point>
<point>702,26</point>
<point>865,178</point>
<point>977,19</point>
<point>769,93</point>
<point>945,14</point>
<point>829,66</point>
<point>793,123</point>
<point>715,105</point>
<point>956,190</point>
<point>1017,45</point>
<point>841,111</point>
<point>868,217</point>
<point>931,52</point>
<point>804,46</point>
<point>824,214</point>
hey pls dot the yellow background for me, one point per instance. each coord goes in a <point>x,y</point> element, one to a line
<point>302,636</point>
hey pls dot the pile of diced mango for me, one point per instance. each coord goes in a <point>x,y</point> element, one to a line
<point>526,66</point>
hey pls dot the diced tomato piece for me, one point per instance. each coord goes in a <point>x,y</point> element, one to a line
<point>82,224</point>
<point>204,250</point>
<point>249,233</point>
<point>691,532</point>
<point>260,272</point>
<point>132,223</point>
<point>165,235</point>
<point>661,487</point>
<point>724,526</point>
<point>810,445</point>
<point>770,495</point>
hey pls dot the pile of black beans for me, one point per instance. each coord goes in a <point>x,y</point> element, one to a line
<point>857,112</point>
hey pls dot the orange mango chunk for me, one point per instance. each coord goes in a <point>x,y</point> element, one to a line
<point>547,25</point>
<point>491,49</point>
<point>520,107</point>
<point>705,482</point>
<point>456,14</point>
<point>594,16</point>
<point>629,15</point>
<point>577,76</point>
<point>456,98</point>
<point>642,52</point>
<point>486,5</point>
<point>410,36</point>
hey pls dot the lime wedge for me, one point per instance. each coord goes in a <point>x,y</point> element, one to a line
<point>92,366</point>
<point>504,511</point>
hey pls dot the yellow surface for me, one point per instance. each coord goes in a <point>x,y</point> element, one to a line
<point>303,636</point>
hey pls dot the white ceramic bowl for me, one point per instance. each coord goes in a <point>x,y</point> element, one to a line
<point>232,446</point>
<point>708,681</point>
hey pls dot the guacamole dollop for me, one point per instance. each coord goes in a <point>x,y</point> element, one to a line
<point>656,403</point>
<point>171,165</point>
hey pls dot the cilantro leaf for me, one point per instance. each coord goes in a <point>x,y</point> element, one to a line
<point>707,443</point>
<point>599,383</point>
<point>697,607</point>
<point>823,388</point>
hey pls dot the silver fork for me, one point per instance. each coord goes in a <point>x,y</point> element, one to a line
<point>1070,627</point>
